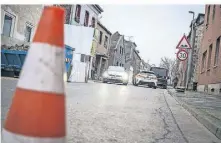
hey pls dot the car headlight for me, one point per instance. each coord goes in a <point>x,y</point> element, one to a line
<point>65,77</point>
<point>153,77</point>
<point>105,74</point>
<point>139,77</point>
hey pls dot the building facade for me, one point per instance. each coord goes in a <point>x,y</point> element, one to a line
<point>101,51</point>
<point>18,23</point>
<point>86,15</point>
<point>136,62</point>
<point>129,51</point>
<point>117,50</point>
<point>197,37</point>
<point>144,66</point>
<point>209,76</point>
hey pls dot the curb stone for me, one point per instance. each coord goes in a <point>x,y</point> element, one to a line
<point>210,126</point>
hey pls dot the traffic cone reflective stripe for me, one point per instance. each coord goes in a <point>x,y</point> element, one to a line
<point>37,113</point>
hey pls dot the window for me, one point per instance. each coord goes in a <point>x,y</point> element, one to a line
<point>96,33</point>
<point>93,22</point>
<point>117,63</point>
<point>83,57</point>
<point>7,27</point>
<point>203,61</point>
<point>214,11</point>
<point>86,18</point>
<point>105,41</point>
<point>28,32</point>
<point>209,58</point>
<point>217,51</point>
<point>121,50</point>
<point>77,13</point>
<point>100,38</point>
<point>208,14</point>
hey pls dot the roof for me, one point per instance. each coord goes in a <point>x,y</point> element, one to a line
<point>114,39</point>
<point>131,42</point>
<point>198,18</point>
<point>146,71</point>
<point>188,36</point>
<point>136,51</point>
<point>102,26</point>
<point>199,15</point>
<point>159,68</point>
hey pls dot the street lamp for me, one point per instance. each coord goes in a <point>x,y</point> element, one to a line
<point>192,13</point>
<point>190,51</point>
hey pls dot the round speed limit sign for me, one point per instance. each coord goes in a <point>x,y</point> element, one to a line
<point>182,55</point>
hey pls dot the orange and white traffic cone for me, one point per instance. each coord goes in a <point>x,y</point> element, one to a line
<point>37,112</point>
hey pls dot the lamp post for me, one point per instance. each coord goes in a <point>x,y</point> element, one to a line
<point>190,50</point>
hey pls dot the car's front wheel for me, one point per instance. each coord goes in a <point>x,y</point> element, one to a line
<point>165,87</point>
<point>125,84</point>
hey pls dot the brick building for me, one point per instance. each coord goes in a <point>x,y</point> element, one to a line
<point>209,77</point>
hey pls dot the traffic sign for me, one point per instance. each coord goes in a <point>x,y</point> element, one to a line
<point>182,55</point>
<point>183,44</point>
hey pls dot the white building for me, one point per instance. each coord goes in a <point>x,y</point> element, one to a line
<point>87,16</point>
<point>18,27</point>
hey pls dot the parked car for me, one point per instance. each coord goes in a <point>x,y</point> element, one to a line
<point>146,78</point>
<point>115,74</point>
<point>162,76</point>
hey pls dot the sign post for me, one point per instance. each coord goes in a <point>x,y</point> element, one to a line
<point>182,54</point>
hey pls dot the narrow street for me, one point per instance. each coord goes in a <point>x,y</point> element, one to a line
<point>98,112</point>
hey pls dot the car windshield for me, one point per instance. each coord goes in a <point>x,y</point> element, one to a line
<point>160,72</point>
<point>115,68</point>
<point>146,73</point>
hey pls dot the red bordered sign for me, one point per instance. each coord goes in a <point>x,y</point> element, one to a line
<point>182,55</point>
<point>183,43</point>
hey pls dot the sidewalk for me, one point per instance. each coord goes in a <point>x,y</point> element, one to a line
<point>205,108</point>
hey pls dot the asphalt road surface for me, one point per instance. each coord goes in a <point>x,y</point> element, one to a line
<point>108,113</point>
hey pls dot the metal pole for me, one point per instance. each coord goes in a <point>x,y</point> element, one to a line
<point>190,51</point>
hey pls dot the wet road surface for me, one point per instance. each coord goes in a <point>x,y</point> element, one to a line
<point>108,113</point>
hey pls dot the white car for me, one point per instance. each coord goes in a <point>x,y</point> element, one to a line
<point>115,74</point>
<point>146,78</point>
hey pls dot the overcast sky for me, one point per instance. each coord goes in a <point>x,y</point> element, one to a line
<point>157,29</point>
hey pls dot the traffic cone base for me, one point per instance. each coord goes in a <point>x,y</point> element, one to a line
<point>16,138</point>
<point>44,121</point>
